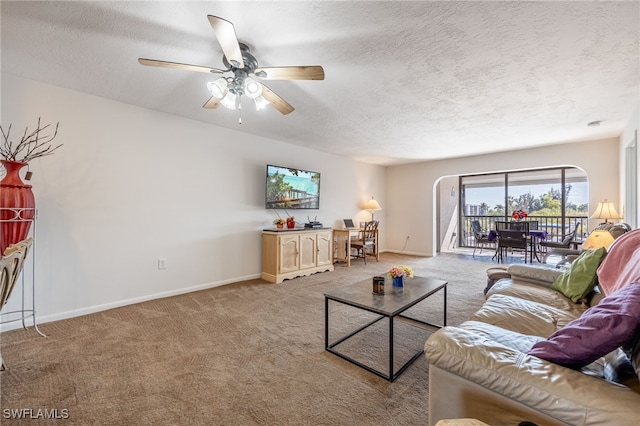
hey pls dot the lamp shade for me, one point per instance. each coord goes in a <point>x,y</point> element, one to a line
<point>605,210</point>
<point>372,205</point>
<point>218,88</point>
<point>252,88</point>
<point>598,238</point>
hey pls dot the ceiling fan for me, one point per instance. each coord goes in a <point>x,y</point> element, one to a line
<point>243,73</point>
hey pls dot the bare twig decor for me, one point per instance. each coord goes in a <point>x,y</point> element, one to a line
<point>32,145</point>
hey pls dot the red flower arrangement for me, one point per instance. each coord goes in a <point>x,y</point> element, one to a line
<point>519,214</point>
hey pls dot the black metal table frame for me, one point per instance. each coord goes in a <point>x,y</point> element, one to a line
<point>391,376</point>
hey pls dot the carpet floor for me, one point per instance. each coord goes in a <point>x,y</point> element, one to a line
<point>248,353</point>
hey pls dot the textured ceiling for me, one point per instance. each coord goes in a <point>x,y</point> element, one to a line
<point>405,81</point>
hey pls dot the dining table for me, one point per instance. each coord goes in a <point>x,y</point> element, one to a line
<point>534,237</point>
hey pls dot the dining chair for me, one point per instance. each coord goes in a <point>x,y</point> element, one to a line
<point>501,224</point>
<point>367,241</point>
<point>481,237</point>
<point>514,240</point>
<point>523,226</point>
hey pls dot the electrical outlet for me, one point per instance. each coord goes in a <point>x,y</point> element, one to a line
<point>162,263</point>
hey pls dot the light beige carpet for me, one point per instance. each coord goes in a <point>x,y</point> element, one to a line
<point>249,353</point>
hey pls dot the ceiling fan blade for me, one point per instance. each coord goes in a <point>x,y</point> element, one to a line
<point>212,103</point>
<point>226,35</point>
<point>315,72</point>
<point>278,103</point>
<point>177,65</point>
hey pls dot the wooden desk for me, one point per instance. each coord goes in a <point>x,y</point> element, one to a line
<point>342,244</point>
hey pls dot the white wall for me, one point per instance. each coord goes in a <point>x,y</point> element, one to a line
<point>132,185</point>
<point>416,182</point>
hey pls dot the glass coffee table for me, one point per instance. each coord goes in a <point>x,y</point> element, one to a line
<point>389,305</point>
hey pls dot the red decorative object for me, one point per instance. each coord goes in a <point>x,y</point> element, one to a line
<point>17,206</point>
<point>291,225</point>
<point>519,215</point>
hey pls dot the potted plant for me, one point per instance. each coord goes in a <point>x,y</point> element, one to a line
<point>397,274</point>
<point>279,223</point>
<point>17,203</point>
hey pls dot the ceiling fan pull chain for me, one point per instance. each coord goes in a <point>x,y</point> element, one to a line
<point>239,109</point>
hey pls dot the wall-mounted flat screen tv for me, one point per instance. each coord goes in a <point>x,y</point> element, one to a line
<point>289,188</point>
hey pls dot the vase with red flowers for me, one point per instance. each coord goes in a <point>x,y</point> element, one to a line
<point>519,215</point>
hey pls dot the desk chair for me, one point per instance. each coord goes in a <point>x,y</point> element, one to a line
<point>367,241</point>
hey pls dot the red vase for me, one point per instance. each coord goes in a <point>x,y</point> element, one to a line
<point>291,225</point>
<point>17,205</point>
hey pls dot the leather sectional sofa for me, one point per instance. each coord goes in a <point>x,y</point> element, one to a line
<point>539,352</point>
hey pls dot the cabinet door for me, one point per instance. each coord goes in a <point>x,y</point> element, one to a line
<point>324,243</point>
<point>307,251</point>
<point>289,254</point>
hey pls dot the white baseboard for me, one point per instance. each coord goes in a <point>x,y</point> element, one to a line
<point>106,306</point>
<point>410,253</point>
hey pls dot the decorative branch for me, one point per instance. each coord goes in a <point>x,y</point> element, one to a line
<point>32,145</point>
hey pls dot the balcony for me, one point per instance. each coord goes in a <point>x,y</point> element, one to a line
<point>555,226</point>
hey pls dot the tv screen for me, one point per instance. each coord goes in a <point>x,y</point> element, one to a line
<point>289,188</point>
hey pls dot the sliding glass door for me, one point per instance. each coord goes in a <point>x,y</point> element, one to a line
<point>556,198</point>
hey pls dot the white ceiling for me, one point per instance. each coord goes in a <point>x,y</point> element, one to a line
<point>405,81</point>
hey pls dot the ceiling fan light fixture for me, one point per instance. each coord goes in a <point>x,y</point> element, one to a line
<point>217,88</point>
<point>261,103</point>
<point>243,65</point>
<point>229,101</point>
<point>252,88</point>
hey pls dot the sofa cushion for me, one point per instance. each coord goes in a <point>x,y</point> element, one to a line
<point>488,364</point>
<point>536,293</point>
<point>578,281</point>
<point>612,323</point>
<point>524,316</point>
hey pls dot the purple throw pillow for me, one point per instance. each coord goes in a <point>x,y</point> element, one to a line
<point>601,329</point>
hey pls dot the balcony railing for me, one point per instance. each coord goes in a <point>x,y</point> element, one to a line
<point>555,226</point>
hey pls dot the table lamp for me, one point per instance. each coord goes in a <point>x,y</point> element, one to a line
<point>606,211</point>
<point>598,238</point>
<point>372,205</point>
